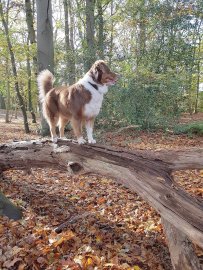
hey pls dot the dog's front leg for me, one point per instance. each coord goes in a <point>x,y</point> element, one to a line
<point>89,128</point>
<point>77,127</point>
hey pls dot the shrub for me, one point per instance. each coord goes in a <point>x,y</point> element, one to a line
<point>191,128</point>
<point>150,100</point>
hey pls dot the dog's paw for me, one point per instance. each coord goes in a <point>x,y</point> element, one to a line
<point>63,138</point>
<point>54,139</point>
<point>81,140</point>
<point>92,141</point>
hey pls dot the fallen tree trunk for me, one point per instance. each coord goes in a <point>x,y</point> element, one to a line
<point>7,208</point>
<point>145,172</point>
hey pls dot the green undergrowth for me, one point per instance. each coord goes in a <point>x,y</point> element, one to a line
<point>190,129</point>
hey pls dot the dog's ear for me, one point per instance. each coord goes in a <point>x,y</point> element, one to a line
<point>99,73</point>
<point>96,72</point>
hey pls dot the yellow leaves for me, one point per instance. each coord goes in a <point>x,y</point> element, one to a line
<point>98,239</point>
<point>124,266</point>
<point>88,261</point>
<point>190,180</point>
<point>57,239</point>
<point>200,190</point>
<point>136,267</point>
<point>64,236</point>
<point>149,225</point>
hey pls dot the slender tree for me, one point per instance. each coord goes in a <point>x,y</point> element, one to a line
<point>8,96</point>
<point>29,87</point>
<point>100,29</point>
<point>31,40</point>
<point>31,31</point>
<point>90,32</point>
<point>70,57</point>
<point>14,70</point>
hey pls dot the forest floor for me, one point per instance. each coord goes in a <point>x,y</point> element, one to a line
<point>109,226</point>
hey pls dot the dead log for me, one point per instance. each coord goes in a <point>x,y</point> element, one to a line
<point>146,172</point>
<point>180,248</point>
<point>7,208</point>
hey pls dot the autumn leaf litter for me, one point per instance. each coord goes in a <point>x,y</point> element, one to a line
<point>107,225</point>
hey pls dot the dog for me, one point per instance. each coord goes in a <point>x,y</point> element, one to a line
<point>79,103</point>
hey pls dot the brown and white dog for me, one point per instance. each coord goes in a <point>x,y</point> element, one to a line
<point>79,103</point>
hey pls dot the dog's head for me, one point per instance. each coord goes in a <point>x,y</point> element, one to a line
<point>102,74</point>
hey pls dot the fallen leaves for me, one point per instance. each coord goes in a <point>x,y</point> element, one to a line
<point>106,225</point>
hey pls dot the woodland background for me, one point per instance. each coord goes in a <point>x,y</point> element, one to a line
<point>156,47</point>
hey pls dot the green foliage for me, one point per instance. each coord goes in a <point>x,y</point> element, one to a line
<point>189,129</point>
<point>149,100</point>
<point>155,45</point>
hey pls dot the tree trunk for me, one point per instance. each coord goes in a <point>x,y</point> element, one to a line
<point>45,47</point>
<point>141,31</point>
<point>2,102</point>
<point>100,30</point>
<point>31,40</point>
<point>31,30</point>
<point>198,76</point>
<point>8,96</point>
<point>181,249</point>
<point>70,58</point>
<point>13,63</point>
<point>7,208</point>
<point>90,30</point>
<point>29,87</point>
<point>111,36</point>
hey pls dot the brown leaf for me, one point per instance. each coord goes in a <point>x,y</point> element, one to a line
<point>21,266</point>
<point>9,264</point>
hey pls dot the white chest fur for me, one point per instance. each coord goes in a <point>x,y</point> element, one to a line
<point>93,107</point>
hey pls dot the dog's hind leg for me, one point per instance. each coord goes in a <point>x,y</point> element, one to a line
<point>62,123</point>
<point>52,125</point>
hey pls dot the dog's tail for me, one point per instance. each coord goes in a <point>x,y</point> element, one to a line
<point>45,83</point>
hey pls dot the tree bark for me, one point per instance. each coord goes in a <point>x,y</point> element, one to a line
<point>7,208</point>
<point>31,40</point>
<point>90,31</point>
<point>45,47</point>
<point>8,96</point>
<point>181,249</point>
<point>198,76</point>
<point>70,66</point>
<point>2,102</point>
<point>13,63</point>
<point>31,30</point>
<point>100,30</point>
<point>111,35</point>
<point>29,86</point>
